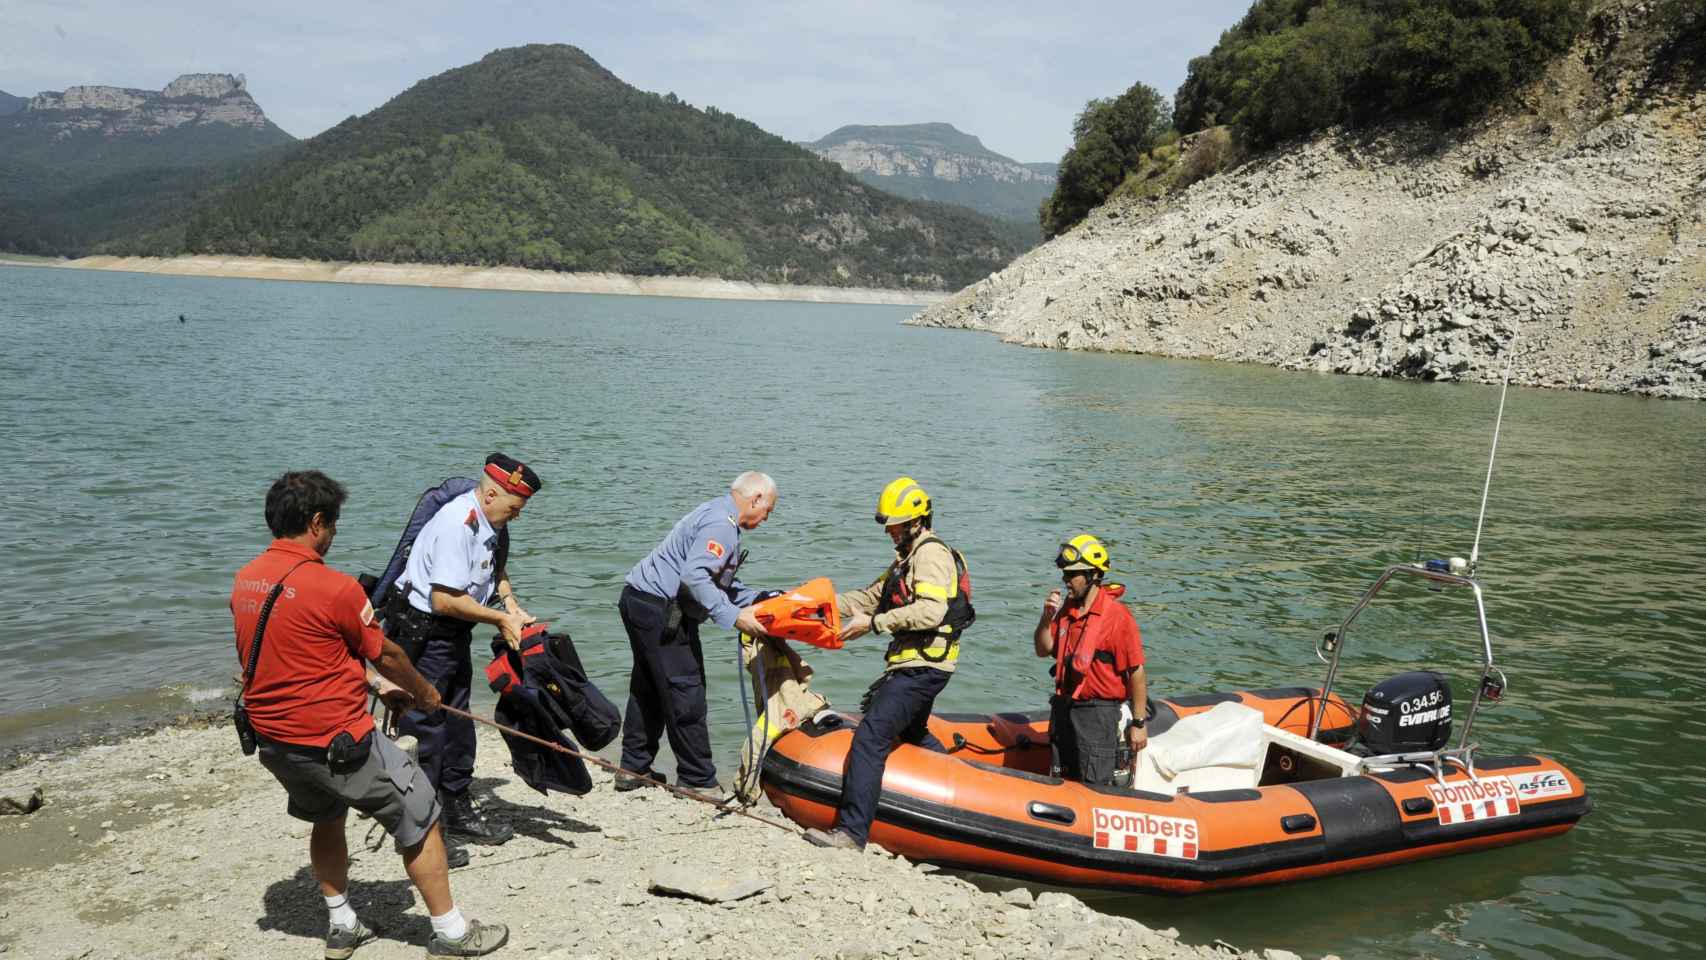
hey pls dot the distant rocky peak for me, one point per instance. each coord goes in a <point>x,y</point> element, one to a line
<point>204,86</point>
<point>943,135</point>
<point>194,98</point>
<point>927,150</point>
<point>209,86</point>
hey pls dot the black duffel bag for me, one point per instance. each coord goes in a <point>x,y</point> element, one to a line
<point>548,663</point>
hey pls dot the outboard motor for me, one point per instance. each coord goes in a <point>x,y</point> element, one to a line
<point>1409,713</point>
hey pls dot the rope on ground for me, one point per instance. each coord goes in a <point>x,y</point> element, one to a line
<point>723,807</point>
<point>756,754</point>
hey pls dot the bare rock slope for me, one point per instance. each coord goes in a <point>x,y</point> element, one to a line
<point>1566,235</point>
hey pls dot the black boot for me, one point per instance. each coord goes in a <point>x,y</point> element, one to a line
<point>464,822</point>
<point>625,783</point>
<point>455,856</point>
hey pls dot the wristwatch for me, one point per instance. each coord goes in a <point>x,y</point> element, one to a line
<point>1135,723</point>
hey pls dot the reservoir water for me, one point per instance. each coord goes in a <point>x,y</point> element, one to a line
<point>1247,508</point>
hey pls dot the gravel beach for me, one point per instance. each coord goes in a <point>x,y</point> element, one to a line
<point>173,844</point>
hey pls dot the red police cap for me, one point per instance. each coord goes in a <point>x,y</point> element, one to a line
<point>513,475</point>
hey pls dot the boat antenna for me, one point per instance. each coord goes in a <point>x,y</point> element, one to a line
<point>1475,551</point>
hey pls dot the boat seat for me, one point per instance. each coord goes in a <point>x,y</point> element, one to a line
<point>1013,734</point>
<point>1348,764</point>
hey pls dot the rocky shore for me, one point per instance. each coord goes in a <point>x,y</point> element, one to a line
<point>174,845</point>
<point>1565,235</point>
<point>492,278</point>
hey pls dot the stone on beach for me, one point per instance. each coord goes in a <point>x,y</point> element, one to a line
<point>1018,897</point>
<point>20,801</point>
<point>681,881</point>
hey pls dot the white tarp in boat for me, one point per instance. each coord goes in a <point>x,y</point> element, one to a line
<point>1220,749</point>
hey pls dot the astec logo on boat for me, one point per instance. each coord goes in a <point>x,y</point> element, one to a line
<point>1143,833</point>
<point>1545,783</point>
<point>1463,801</point>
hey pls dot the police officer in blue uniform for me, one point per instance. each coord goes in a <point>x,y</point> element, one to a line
<point>687,579</point>
<point>452,576</point>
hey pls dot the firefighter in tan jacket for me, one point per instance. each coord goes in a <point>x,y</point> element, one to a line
<point>923,604</point>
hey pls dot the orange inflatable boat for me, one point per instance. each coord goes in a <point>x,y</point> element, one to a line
<point>1236,789</point>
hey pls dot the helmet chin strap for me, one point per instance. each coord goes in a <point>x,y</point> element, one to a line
<point>913,529</point>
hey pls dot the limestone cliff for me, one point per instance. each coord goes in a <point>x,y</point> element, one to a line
<point>935,161</point>
<point>82,165</point>
<point>192,99</point>
<point>1565,234</point>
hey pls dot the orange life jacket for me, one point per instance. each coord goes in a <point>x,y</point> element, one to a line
<point>806,613</point>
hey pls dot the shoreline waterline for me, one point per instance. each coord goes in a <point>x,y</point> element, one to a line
<point>517,279</point>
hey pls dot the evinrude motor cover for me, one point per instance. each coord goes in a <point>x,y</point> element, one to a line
<point>1409,713</point>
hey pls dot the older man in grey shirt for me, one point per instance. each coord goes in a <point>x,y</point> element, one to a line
<point>687,579</point>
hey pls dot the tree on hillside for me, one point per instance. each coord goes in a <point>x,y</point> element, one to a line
<point>1291,67</point>
<point>1107,138</point>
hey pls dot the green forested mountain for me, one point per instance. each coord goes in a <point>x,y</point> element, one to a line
<point>537,156</point>
<point>935,161</point>
<point>92,163</point>
<point>10,104</point>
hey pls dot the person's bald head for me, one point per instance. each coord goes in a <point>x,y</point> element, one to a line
<point>755,496</point>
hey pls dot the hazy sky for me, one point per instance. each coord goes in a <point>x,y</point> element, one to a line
<point>1014,74</point>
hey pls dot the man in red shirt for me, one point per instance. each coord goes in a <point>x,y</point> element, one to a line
<point>1098,666</point>
<point>305,693</point>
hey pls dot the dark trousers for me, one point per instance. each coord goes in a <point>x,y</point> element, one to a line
<point>439,647</point>
<point>666,691</point>
<point>898,711</point>
<point>1084,739</point>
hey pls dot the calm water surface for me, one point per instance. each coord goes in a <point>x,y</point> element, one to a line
<point>1247,509</point>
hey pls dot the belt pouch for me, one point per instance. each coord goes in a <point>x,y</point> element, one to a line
<point>345,753</point>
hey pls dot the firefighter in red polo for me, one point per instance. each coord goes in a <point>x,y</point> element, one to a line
<point>1098,666</point>
<point>303,631</point>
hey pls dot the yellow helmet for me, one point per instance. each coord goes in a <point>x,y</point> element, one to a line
<point>1083,552</point>
<point>902,502</point>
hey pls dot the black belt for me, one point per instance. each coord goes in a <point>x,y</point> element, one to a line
<point>407,614</point>
<point>303,749</point>
<point>631,592</point>
<point>1088,701</point>
<point>671,610</point>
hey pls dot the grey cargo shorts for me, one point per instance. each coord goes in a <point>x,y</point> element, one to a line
<point>388,786</point>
